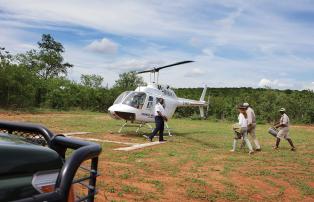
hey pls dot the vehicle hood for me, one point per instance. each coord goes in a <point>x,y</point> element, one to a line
<point>20,157</point>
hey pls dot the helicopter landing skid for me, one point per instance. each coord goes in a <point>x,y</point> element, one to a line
<point>122,127</point>
<point>141,125</point>
<point>168,129</point>
<point>152,129</point>
<point>138,125</point>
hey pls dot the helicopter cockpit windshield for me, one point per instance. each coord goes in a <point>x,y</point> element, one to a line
<point>121,97</point>
<point>135,99</point>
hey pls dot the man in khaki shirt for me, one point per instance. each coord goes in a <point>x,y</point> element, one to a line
<point>284,129</point>
<point>252,125</point>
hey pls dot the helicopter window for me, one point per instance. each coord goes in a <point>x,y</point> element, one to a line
<point>150,102</point>
<point>121,97</point>
<point>135,99</point>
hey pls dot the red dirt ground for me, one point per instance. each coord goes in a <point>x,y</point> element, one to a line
<point>174,186</point>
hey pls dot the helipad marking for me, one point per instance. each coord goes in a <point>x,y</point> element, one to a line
<point>106,141</point>
<point>76,133</point>
<point>138,146</point>
<point>132,146</point>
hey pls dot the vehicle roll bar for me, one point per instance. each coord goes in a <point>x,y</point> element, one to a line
<point>83,151</point>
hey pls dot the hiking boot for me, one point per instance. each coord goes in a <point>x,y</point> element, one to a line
<point>148,138</point>
<point>258,150</point>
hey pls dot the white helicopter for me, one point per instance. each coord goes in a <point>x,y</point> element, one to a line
<point>138,106</point>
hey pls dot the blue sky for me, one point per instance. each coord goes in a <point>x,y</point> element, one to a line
<point>234,43</point>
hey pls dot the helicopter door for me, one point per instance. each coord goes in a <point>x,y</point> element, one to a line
<point>149,109</point>
<point>150,102</point>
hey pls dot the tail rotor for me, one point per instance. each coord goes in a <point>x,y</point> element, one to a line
<point>202,114</point>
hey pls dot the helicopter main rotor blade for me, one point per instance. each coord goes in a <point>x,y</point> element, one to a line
<point>145,71</point>
<point>159,68</point>
<point>174,64</point>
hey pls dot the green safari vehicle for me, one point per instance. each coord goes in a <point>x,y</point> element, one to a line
<point>37,165</point>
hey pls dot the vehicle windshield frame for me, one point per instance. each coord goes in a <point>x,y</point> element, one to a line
<point>121,97</point>
<point>135,99</point>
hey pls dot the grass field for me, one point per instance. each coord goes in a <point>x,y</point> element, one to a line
<point>195,164</point>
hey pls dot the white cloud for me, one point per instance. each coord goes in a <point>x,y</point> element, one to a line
<point>196,41</point>
<point>195,72</point>
<point>230,20</point>
<point>129,64</point>
<point>279,84</point>
<point>257,27</point>
<point>265,83</point>
<point>309,86</point>
<point>13,40</point>
<point>103,46</point>
<point>137,18</point>
<point>283,74</point>
<point>208,52</point>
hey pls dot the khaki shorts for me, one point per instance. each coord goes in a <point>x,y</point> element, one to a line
<point>251,130</point>
<point>283,133</point>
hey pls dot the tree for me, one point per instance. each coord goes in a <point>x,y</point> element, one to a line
<point>92,81</point>
<point>129,81</point>
<point>5,58</point>
<point>17,84</point>
<point>29,60</point>
<point>48,61</point>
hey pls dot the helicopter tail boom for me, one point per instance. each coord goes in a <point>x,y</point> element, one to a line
<point>182,102</point>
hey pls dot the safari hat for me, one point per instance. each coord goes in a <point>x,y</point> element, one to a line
<point>241,107</point>
<point>282,110</point>
<point>246,104</point>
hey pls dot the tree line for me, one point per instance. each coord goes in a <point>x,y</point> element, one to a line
<point>266,102</point>
<point>38,79</point>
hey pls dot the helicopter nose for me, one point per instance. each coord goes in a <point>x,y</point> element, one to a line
<point>125,115</point>
<point>110,110</point>
<point>112,113</point>
<point>122,115</point>
<point>121,112</point>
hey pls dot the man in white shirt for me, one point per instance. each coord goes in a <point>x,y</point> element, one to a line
<point>284,129</point>
<point>251,118</point>
<point>160,117</point>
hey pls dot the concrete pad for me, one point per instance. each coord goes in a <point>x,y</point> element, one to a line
<point>132,146</point>
<point>76,133</point>
<point>105,141</point>
<point>138,146</point>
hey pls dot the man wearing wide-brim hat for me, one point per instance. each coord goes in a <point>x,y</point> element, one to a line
<point>251,118</point>
<point>283,125</point>
<point>242,125</point>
